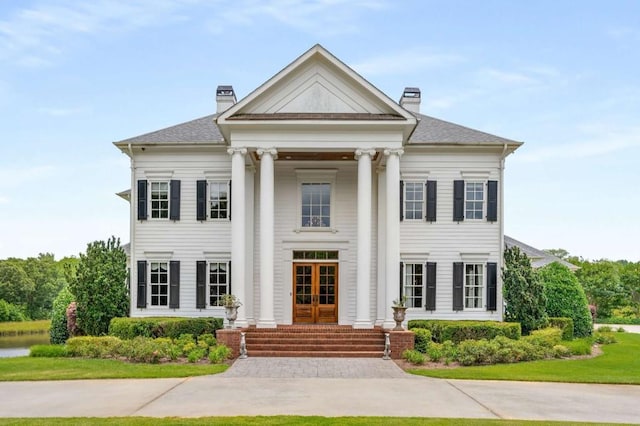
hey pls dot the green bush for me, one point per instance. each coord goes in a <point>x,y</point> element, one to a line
<point>604,338</point>
<point>561,351</point>
<point>58,333</point>
<point>422,339</point>
<point>566,298</point>
<point>474,352</point>
<point>10,312</point>
<point>458,331</point>
<point>196,354</point>
<point>605,329</point>
<point>581,346</point>
<point>565,324</point>
<point>208,339</point>
<point>434,351</point>
<point>547,337</point>
<point>219,354</point>
<point>128,328</point>
<point>93,346</point>
<point>48,351</point>
<point>414,357</point>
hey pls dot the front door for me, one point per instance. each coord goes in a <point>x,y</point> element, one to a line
<point>315,293</point>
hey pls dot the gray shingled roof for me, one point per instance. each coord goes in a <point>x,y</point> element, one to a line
<point>429,130</point>
<point>433,130</point>
<point>539,258</point>
<point>200,130</point>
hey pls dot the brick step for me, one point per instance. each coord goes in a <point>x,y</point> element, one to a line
<point>314,347</point>
<point>316,354</point>
<point>313,330</point>
<point>314,339</point>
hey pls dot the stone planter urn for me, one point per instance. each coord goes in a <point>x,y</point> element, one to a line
<point>231,304</point>
<point>231,312</point>
<point>399,313</point>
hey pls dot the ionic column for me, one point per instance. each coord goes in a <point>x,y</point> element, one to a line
<point>392,231</point>
<point>238,230</point>
<point>363,286</point>
<point>266,318</point>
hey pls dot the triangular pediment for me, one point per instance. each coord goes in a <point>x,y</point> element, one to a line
<point>314,84</point>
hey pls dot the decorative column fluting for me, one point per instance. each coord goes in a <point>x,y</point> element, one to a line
<point>363,283</point>
<point>266,318</point>
<point>238,229</point>
<point>392,232</point>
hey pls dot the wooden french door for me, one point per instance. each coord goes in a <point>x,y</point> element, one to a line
<point>315,293</point>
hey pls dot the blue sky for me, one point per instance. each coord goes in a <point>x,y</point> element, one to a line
<point>564,77</point>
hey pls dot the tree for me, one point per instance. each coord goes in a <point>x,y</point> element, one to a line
<point>559,253</point>
<point>630,278</point>
<point>100,286</point>
<point>566,298</point>
<point>48,279</point>
<point>602,285</point>
<point>58,332</point>
<point>523,291</point>
<point>15,285</point>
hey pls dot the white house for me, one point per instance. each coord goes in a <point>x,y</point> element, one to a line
<point>317,199</point>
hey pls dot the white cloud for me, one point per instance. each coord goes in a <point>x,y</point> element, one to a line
<point>4,200</point>
<point>409,60</point>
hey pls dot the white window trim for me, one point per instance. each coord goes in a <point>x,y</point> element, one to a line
<point>208,280</point>
<point>158,256</point>
<point>484,199</point>
<point>150,199</point>
<point>423,184</point>
<point>415,261</point>
<point>316,176</point>
<point>158,175</point>
<point>208,196</point>
<point>150,284</point>
<point>483,301</point>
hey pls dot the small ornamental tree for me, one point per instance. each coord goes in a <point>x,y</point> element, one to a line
<point>566,298</point>
<point>100,286</point>
<point>58,333</point>
<point>523,292</point>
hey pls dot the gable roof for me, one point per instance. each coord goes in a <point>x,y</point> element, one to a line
<point>539,258</point>
<point>200,130</point>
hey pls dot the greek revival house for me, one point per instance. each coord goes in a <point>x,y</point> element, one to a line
<point>317,199</point>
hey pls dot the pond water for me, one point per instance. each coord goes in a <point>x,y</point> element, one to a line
<point>13,346</point>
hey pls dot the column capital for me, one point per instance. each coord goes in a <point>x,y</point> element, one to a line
<point>365,151</point>
<point>271,151</point>
<point>394,151</point>
<point>241,151</point>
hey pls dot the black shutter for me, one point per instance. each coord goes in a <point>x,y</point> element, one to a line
<point>401,280</point>
<point>432,197</point>
<point>174,203</point>
<point>229,277</point>
<point>458,286</point>
<point>174,284</point>
<point>430,302</point>
<point>229,200</point>
<point>142,200</point>
<point>401,200</point>
<point>492,286</point>
<point>201,200</point>
<point>201,288</point>
<point>458,200</point>
<point>492,201</point>
<point>142,284</point>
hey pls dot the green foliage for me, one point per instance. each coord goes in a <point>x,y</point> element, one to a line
<point>10,312</point>
<point>208,339</point>
<point>559,253</point>
<point>219,354</point>
<point>546,337</point>
<point>523,291</point>
<point>603,338</point>
<point>561,351</point>
<point>602,285</point>
<point>93,346</point>
<point>48,351</point>
<point>619,320</point>
<point>15,286</point>
<point>581,346</point>
<point>458,331</point>
<point>565,298</point>
<point>422,339</point>
<point>58,332</point>
<point>414,357</point>
<point>564,324</point>
<point>196,354</point>
<point>100,286</point>
<point>128,328</point>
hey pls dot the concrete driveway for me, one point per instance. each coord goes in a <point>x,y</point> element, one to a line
<point>322,387</point>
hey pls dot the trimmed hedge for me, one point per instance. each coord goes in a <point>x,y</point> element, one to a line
<point>173,328</point>
<point>422,339</point>
<point>564,324</point>
<point>459,331</point>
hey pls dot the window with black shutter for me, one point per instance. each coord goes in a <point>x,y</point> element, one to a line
<point>201,200</point>
<point>174,284</point>
<point>201,286</point>
<point>492,286</point>
<point>492,201</point>
<point>174,204</point>
<point>142,200</point>
<point>458,200</point>
<point>432,197</point>
<point>458,286</point>
<point>142,284</point>
<point>430,297</point>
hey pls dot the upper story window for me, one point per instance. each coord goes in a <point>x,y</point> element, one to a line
<point>159,200</point>
<point>474,200</point>
<point>414,200</point>
<point>159,278</point>
<point>316,205</point>
<point>473,285</point>
<point>219,199</point>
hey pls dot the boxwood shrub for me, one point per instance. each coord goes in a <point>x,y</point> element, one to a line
<point>422,339</point>
<point>459,331</point>
<point>173,328</point>
<point>565,324</point>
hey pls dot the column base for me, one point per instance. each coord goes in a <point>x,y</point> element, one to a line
<point>266,324</point>
<point>362,324</point>
<point>240,323</point>
<point>388,324</point>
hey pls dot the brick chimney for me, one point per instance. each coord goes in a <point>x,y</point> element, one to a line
<point>410,99</point>
<point>225,98</point>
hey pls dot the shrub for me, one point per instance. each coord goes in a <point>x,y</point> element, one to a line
<point>93,346</point>
<point>58,334</point>
<point>580,346</point>
<point>208,339</point>
<point>605,329</point>
<point>561,351</point>
<point>422,339</point>
<point>48,351</point>
<point>458,331</point>
<point>72,323</point>
<point>196,354</point>
<point>621,330</point>
<point>10,312</point>
<point>604,338</point>
<point>566,298</point>
<point>474,352</point>
<point>413,356</point>
<point>219,354</point>
<point>128,328</point>
<point>564,324</point>
<point>619,320</point>
<point>435,351</point>
<point>547,337</point>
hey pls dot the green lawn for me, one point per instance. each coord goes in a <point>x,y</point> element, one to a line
<point>619,364</point>
<point>274,420</point>
<point>26,368</point>
<point>24,327</point>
